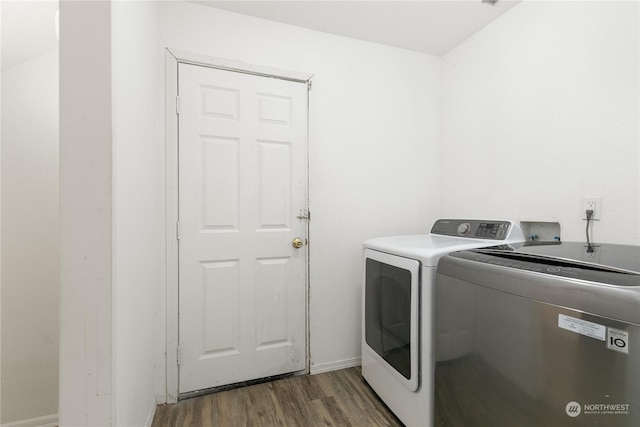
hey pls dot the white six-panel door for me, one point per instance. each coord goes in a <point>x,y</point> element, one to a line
<point>242,186</point>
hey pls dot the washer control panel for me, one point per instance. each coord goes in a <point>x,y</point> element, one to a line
<point>474,229</point>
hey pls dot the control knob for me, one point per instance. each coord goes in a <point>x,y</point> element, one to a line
<point>464,228</point>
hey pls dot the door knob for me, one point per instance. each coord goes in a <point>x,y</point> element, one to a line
<point>296,243</point>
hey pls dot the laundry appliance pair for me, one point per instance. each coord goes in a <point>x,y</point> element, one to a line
<point>471,325</point>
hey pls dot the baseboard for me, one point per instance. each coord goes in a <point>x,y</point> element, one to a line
<point>152,413</point>
<point>46,421</point>
<point>334,366</point>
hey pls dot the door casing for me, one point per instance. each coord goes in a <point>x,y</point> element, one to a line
<point>168,377</point>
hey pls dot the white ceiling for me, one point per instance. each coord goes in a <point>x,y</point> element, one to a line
<point>429,26</point>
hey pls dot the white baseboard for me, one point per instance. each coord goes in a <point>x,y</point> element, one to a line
<point>152,413</point>
<point>52,420</point>
<point>334,366</point>
<point>46,421</point>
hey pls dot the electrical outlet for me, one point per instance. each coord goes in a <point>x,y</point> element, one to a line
<point>592,254</point>
<point>594,204</point>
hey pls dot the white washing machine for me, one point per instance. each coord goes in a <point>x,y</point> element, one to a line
<point>398,356</point>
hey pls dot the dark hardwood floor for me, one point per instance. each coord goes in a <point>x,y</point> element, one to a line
<point>338,398</point>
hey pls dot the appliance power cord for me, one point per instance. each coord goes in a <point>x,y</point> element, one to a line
<point>590,249</point>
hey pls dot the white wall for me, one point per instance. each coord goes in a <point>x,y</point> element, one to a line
<point>85,214</point>
<point>373,148</point>
<point>30,282</point>
<point>139,230</point>
<point>540,109</point>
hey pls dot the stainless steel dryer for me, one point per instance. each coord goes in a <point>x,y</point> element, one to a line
<point>539,336</point>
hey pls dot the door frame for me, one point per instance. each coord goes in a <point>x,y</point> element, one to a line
<point>171,332</point>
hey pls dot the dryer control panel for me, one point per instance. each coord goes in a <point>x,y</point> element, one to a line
<point>474,229</point>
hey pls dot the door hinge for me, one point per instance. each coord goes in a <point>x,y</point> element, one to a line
<point>304,214</point>
<point>309,84</point>
<point>178,355</point>
<point>178,230</point>
<point>178,105</point>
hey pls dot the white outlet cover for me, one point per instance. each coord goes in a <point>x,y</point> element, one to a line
<point>594,203</point>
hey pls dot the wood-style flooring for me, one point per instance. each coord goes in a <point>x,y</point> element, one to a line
<point>338,398</point>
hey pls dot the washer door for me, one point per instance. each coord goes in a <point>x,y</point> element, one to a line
<point>391,314</point>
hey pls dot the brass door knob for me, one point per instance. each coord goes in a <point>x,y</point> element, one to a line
<point>296,243</point>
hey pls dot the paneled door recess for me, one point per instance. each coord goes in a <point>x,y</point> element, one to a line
<point>242,203</point>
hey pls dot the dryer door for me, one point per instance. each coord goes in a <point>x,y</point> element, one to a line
<point>391,314</point>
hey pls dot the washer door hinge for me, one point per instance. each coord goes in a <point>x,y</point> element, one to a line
<point>178,355</point>
<point>178,105</point>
